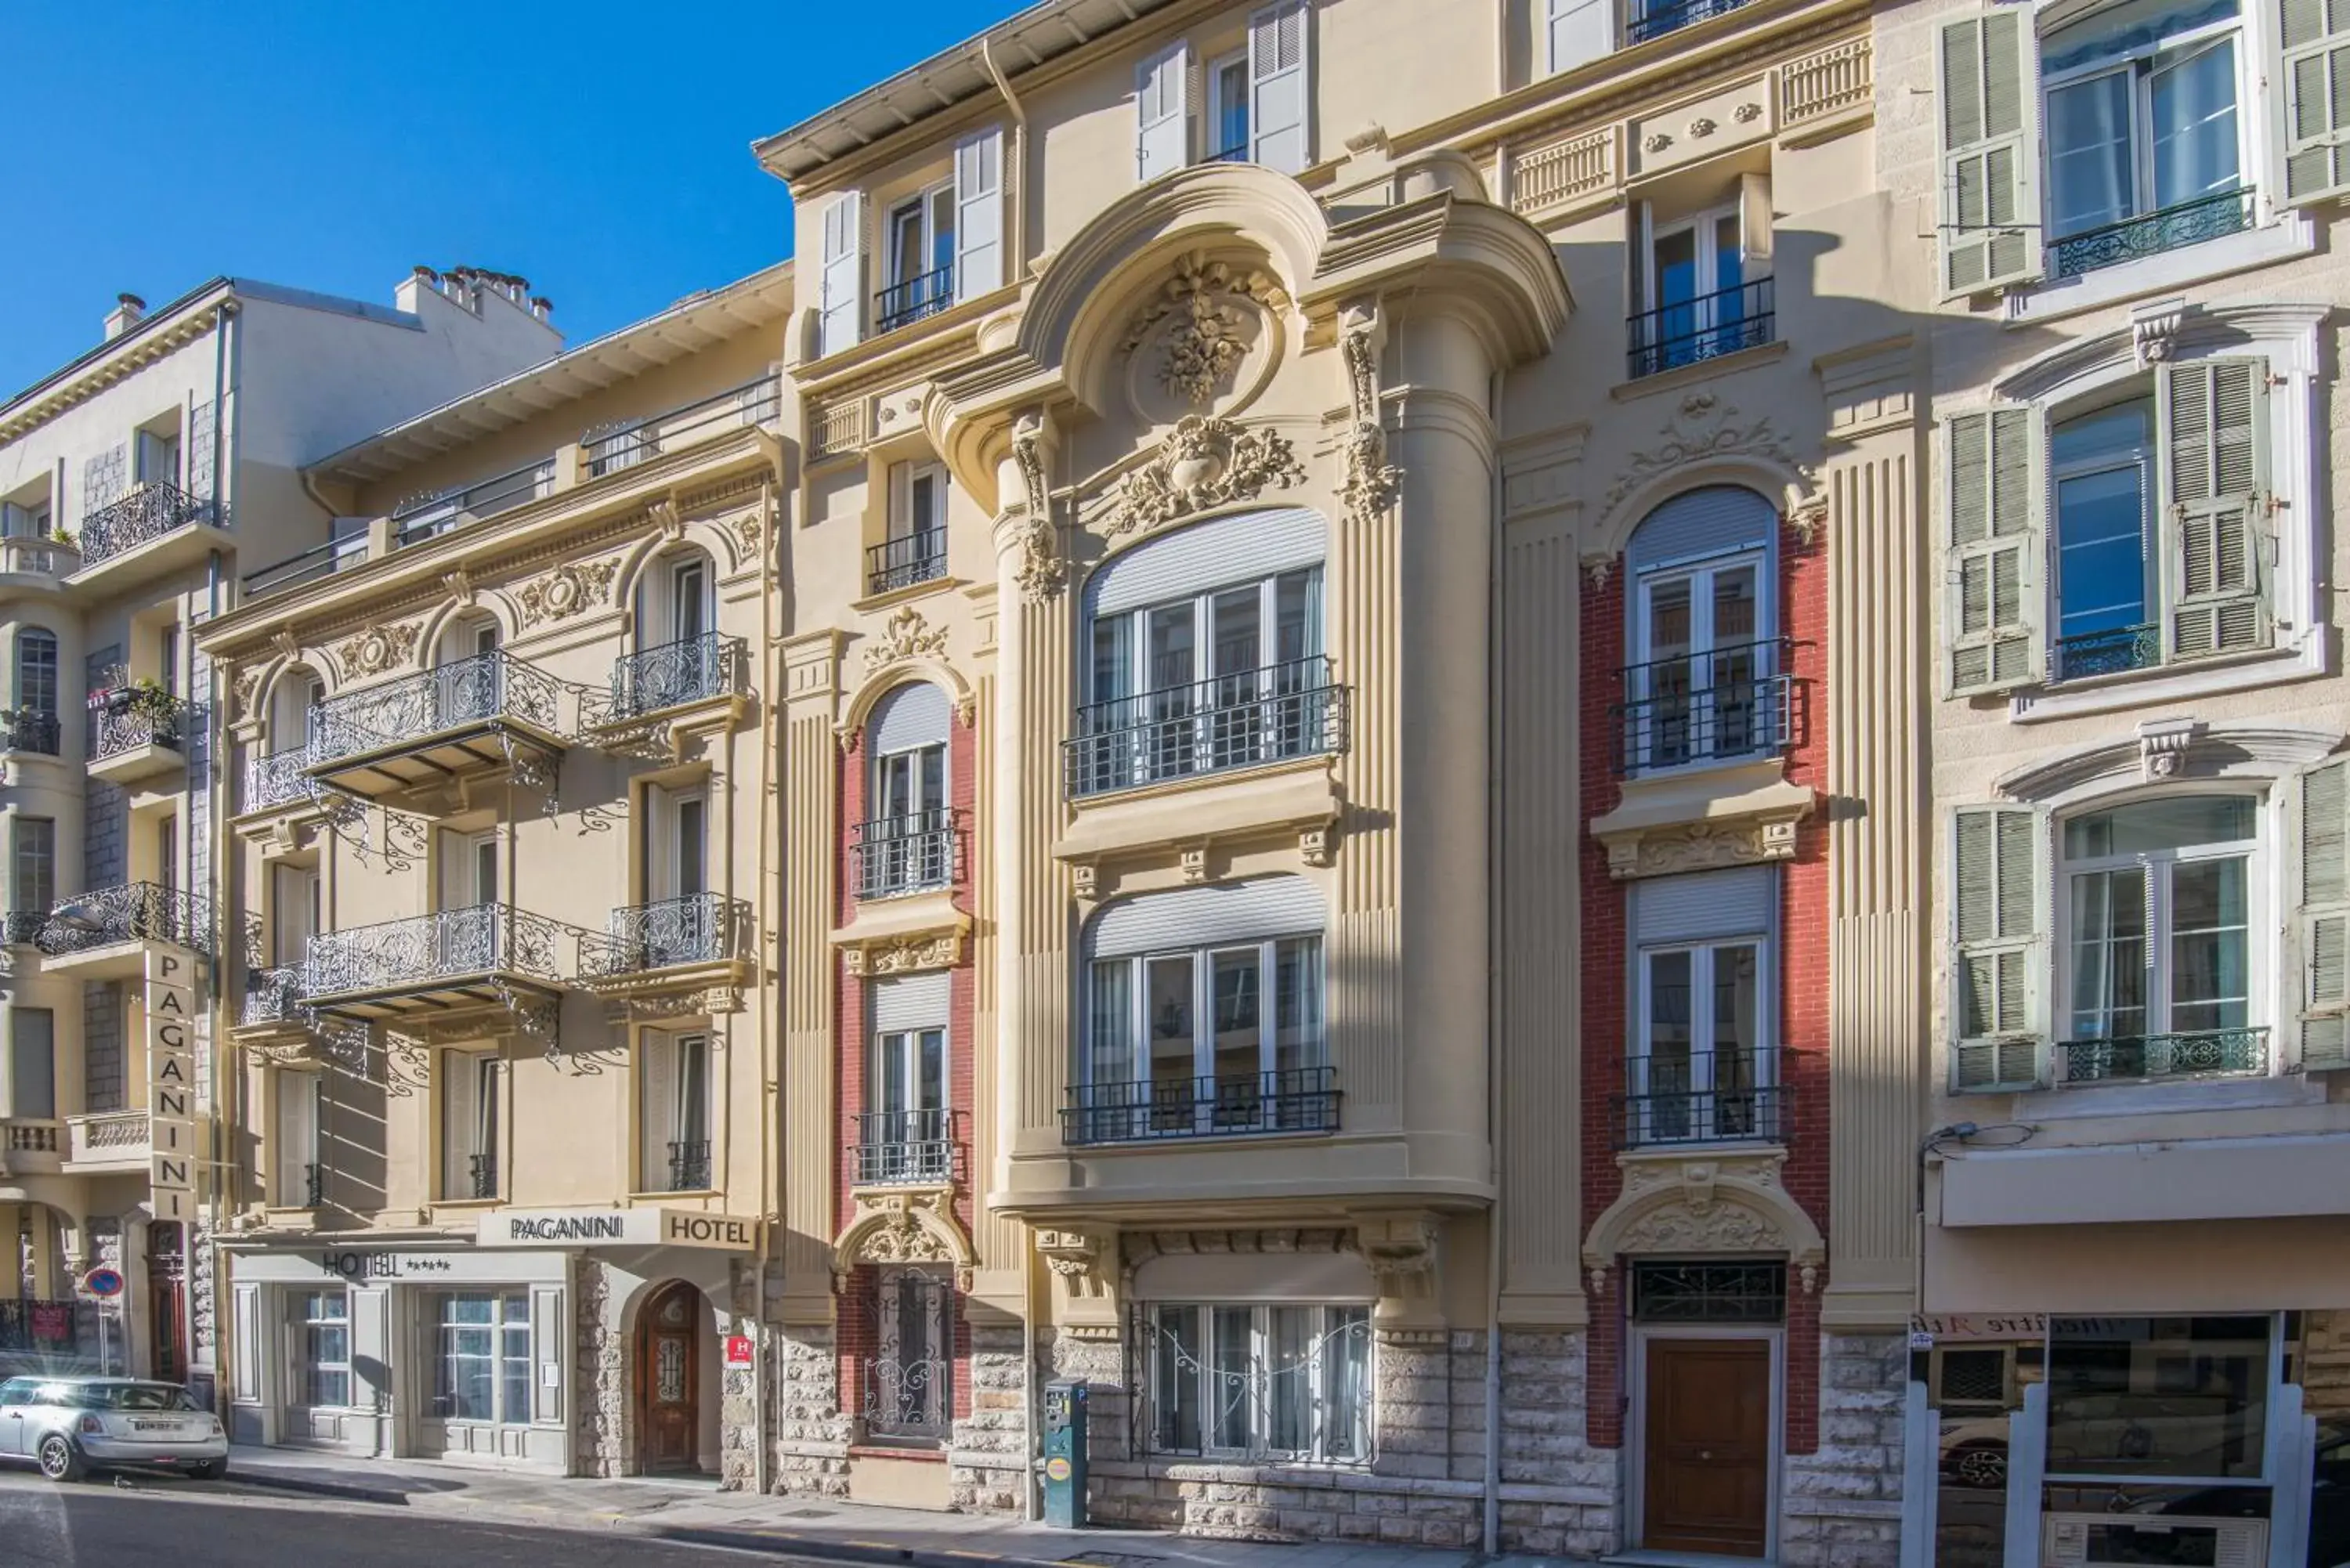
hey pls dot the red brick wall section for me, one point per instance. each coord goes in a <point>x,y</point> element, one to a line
<point>1803,980</point>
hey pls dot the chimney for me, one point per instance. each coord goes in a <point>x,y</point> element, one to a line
<point>541,306</point>
<point>127,312</point>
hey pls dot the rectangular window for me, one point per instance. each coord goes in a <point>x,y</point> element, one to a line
<point>1700,293</point>
<point>300,1174</point>
<point>471,1085</point>
<point>159,457</point>
<point>2102,462</point>
<point>481,1368</point>
<point>1698,1070</point>
<point>2182,1398</point>
<point>914,550</point>
<point>36,671</point>
<point>33,864</point>
<point>1182,1043</point>
<point>674,1112</point>
<point>1228,110</point>
<point>32,1064</point>
<point>293,910</point>
<point>322,1319</point>
<point>1263,1382</point>
<point>919,237</point>
<point>1707,683</point>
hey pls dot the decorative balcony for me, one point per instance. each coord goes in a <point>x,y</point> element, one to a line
<point>1720,1096</point>
<point>2162,1058</point>
<point>1724,705</point>
<point>2151,233</point>
<point>905,1148</point>
<point>96,934</point>
<point>903,304</point>
<point>34,562</point>
<point>903,563</point>
<point>1230,722</point>
<point>2113,652</point>
<point>273,1000</point>
<point>1655,21</point>
<point>108,1142</point>
<point>28,729</point>
<point>666,677</point>
<point>23,927</point>
<point>314,1186</point>
<point>465,718</point>
<point>138,733</point>
<point>894,855</point>
<point>689,1166</point>
<point>612,448</point>
<point>1292,1100</point>
<point>273,779</point>
<point>483,956</point>
<point>670,944</point>
<point>1690,331</point>
<point>32,1145</point>
<point>149,514</point>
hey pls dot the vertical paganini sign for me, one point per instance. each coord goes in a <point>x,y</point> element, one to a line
<point>172,1083</point>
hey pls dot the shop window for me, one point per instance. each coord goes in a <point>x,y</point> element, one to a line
<point>323,1321</point>
<point>1261,1382</point>
<point>482,1357</point>
<point>2179,1398</point>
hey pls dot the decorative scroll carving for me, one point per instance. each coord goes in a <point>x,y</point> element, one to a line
<point>1722,1204</point>
<point>1040,572</point>
<point>460,584</point>
<point>906,636</point>
<point>1206,343</point>
<point>1702,426</point>
<point>1371,480</point>
<point>1700,846</point>
<point>247,687</point>
<point>1809,516</point>
<point>904,1225</point>
<point>904,955</point>
<point>1077,1258</point>
<point>1207,461</point>
<point>570,590</point>
<point>377,650</point>
<point>1401,1252</point>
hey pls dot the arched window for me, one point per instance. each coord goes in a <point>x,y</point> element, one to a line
<point>1203,1014</point>
<point>680,657</point>
<point>1204,653</point>
<point>293,702</point>
<point>906,844</point>
<point>1706,676</point>
<point>33,726</point>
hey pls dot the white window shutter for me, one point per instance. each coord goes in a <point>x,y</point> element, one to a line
<point>297,1135</point>
<point>1279,76</point>
<point>2212,415</point>
<point>1754,221</point>
<point>1163,112</point>
<point>656,1106</point>
<point>978,213</point>
<point>843,281</point>
<point>2314,66</point>
<point>1988,70</point>
<point>460,1113</point>
<point>2325,917</point>
<point>1998,955</point>
<point>1995,630</point>
<point>1580,31</point>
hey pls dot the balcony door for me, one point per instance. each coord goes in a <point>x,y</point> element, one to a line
<point>922,256</point>
<point>904,1137</point>
<point>1210,682</point>
<point>472,1088</point>
<point>1698,656</point>
<point>294,910</point>
<point>469,927</point>
<point>678,917</point>
<point>300,1114</point>
<point>469,687</point>
<point>1700,1069</point>
<point>673,1111</point>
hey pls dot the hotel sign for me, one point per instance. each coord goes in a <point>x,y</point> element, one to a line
<point>616,1227</point>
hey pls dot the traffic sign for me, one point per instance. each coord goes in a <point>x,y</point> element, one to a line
<point>103,1282</point>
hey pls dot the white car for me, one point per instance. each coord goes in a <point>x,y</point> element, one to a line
<point>69,1426</point>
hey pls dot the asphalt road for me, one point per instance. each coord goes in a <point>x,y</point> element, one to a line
<point>163,1522</point>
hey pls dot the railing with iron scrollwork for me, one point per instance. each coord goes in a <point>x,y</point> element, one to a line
<point>1238,720</point>
<point>2151,233</point>
<point>2092,653</point>
<point>272,995</point>
<point>314,1186</point>
<point>1656,21</point>
<point>484,688</point>
<point>2201,1053</point>
<point>670,675</point>
<point>905,1148</point>
<point>132,912</point>
<point>146,513</point>
<point>689,1166</point>
<point>483,1170</point>
<point>904,561</point>
<point>277,778</point>
<point>699,928</point>
<point>28,729</point>
<point>907,854</point>
<point>479,939</point>
<point>147,718</point>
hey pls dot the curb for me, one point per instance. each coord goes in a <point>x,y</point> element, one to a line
<point>790,1543</point>
<point>349,1491</point>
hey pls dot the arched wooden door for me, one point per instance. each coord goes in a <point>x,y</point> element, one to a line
<point>668,1378</point>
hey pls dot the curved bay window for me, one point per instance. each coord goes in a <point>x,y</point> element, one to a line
<point>1204,653</point>
<point>1203,1014</point>
<point>2160,942</point>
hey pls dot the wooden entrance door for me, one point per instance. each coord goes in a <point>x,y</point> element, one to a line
<point>668,1374</point>
<point>1706,1462</point>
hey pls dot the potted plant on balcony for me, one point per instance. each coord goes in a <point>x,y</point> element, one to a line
<point>148,698</point>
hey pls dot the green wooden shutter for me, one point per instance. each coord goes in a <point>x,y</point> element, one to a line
<point>1988,70</point>
<point>2325,917</point>
<point>1993,500</point>
<point>2213,417</point>
<point>1996,954</point>
<point>2315,35</point>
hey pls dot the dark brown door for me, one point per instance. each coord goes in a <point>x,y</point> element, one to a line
<point>669,1344</point>
<point>1707,1460</point>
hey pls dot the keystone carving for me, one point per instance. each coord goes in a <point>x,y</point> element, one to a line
<point>567,591</point>
<point>1207,461</point>
<point>905,636</point>
<point>376,650</point>
<point>1206,300</point>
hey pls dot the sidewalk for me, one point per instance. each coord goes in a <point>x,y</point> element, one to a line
<point>691,1509</point>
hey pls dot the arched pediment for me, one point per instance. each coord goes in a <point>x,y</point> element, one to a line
<point>905,1225</point>
<point>2168,751</point>
<point>1731,1204</point>
<point>909,649</point>
<point>1706,441</point>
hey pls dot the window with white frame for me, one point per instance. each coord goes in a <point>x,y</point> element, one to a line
<point>1227,139</point>
<point>914,548</point>
<point>24,519</point>
<point>906,843</point>
<point>680,922</point>
<point>919,237</point>
<point>1704,285</point>
<point>481,1353</point>
<point>1701,1067</point>
<point>32,872</point>
<point>322,1323</point>
<point>472,1088</point>
<point>1706,680</point>
<point>36,674</point>
<point>904,1136</point>
<point>673,1111</point>
<point>1261,1381</point>
<point>158,456</point>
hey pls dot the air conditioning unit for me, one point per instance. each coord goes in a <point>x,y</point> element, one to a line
<point>2088,1539</point>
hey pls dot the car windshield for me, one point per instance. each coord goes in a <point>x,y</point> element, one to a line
<point>121,1396</point>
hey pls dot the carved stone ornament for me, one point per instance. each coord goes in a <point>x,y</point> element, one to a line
<point>1040,572</point>
<point>2163,746</point>
<point>1076,1259</point>
<point>1747,113</point>
<point>1734,1203</point>
<point>376,650</point>
<point>287,645</point>
<point>460,584</point>
<point>906,636</point>
<point>1400,1251</point>
<point>1703,425</point>
<point>908,1225</point>
<point>1207,461</point>
<point>1206,342</point>
<point>2154,330</point>
<point>906,956</point>
<point>1699,128</point>
<point>1700,846</point>
<point>247,687</point>
<point>568,590</point>
<point>668,519</point>
<point>1809,516</point>
<point>1371,479</point>
<point>1654,141</point>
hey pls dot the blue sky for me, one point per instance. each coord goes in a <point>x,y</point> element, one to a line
<point>600,150</point>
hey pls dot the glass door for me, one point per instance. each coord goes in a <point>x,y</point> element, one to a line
<point>1696,279</point>
<point>1698,688</point>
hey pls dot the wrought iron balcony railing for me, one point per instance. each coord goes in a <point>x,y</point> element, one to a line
<point>146,513</point>
<point>689,1166</point>
<point>146,718</point>
<point>616,447</point>
<point>902,562</point>
<point>29,730</point>
<point>1706,327</point>
<point>1719,1096</point>
<point>133,911</point>
<point>483,688</point>
<point>1238,720</point>
<point>902,304</point>
<point>1656,21</point>
<point>2108,653</point>
<point>1292,1100</point>
<point>277,778</point>
<point>909,853</point>
<point>2206,1054</point>
<point>424,949</point>
<point>1236,153</point>
<point>669,675</point>
<point>483,1170</point>
<point>23,926</point>
<point>272,996</point>
<point>898,1148</point>
<point>1709,707</point>
<point>314,1186</point>
<point>699,928</point>
<point>2151,233</point>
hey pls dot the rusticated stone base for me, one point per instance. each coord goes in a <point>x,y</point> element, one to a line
<point>1841,1504</point>
<point>989,1453</point>
<point>812,1436</point>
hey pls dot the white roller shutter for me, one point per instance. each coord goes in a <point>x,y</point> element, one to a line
<point>1715,520</point>
<point>915,714</point>
<point>843,280</point>
<point>1162,112</point>
<point>910,1001</point>
<point>978,213</point>
<point>1230,550</point>
<point>1279,82</point>
<point>1208,916</point>
<point>1703,904</point>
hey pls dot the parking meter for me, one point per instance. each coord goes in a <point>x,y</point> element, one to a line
<point>1065,1455</point>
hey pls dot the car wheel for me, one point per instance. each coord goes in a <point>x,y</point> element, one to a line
<point>1982,1467</point>
<point>60,1461</point>
<point>208,1470</point>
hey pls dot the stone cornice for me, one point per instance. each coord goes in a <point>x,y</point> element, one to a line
<point>2163,749</point>
<point>2197,329</point>
<point>133,357</point>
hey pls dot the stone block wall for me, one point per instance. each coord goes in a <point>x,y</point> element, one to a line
<point>600,1380</point>
<point>1840,1504</point>
<point>812,1436</point>
<point>1558,1492</point>
<point>989,1451</point>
